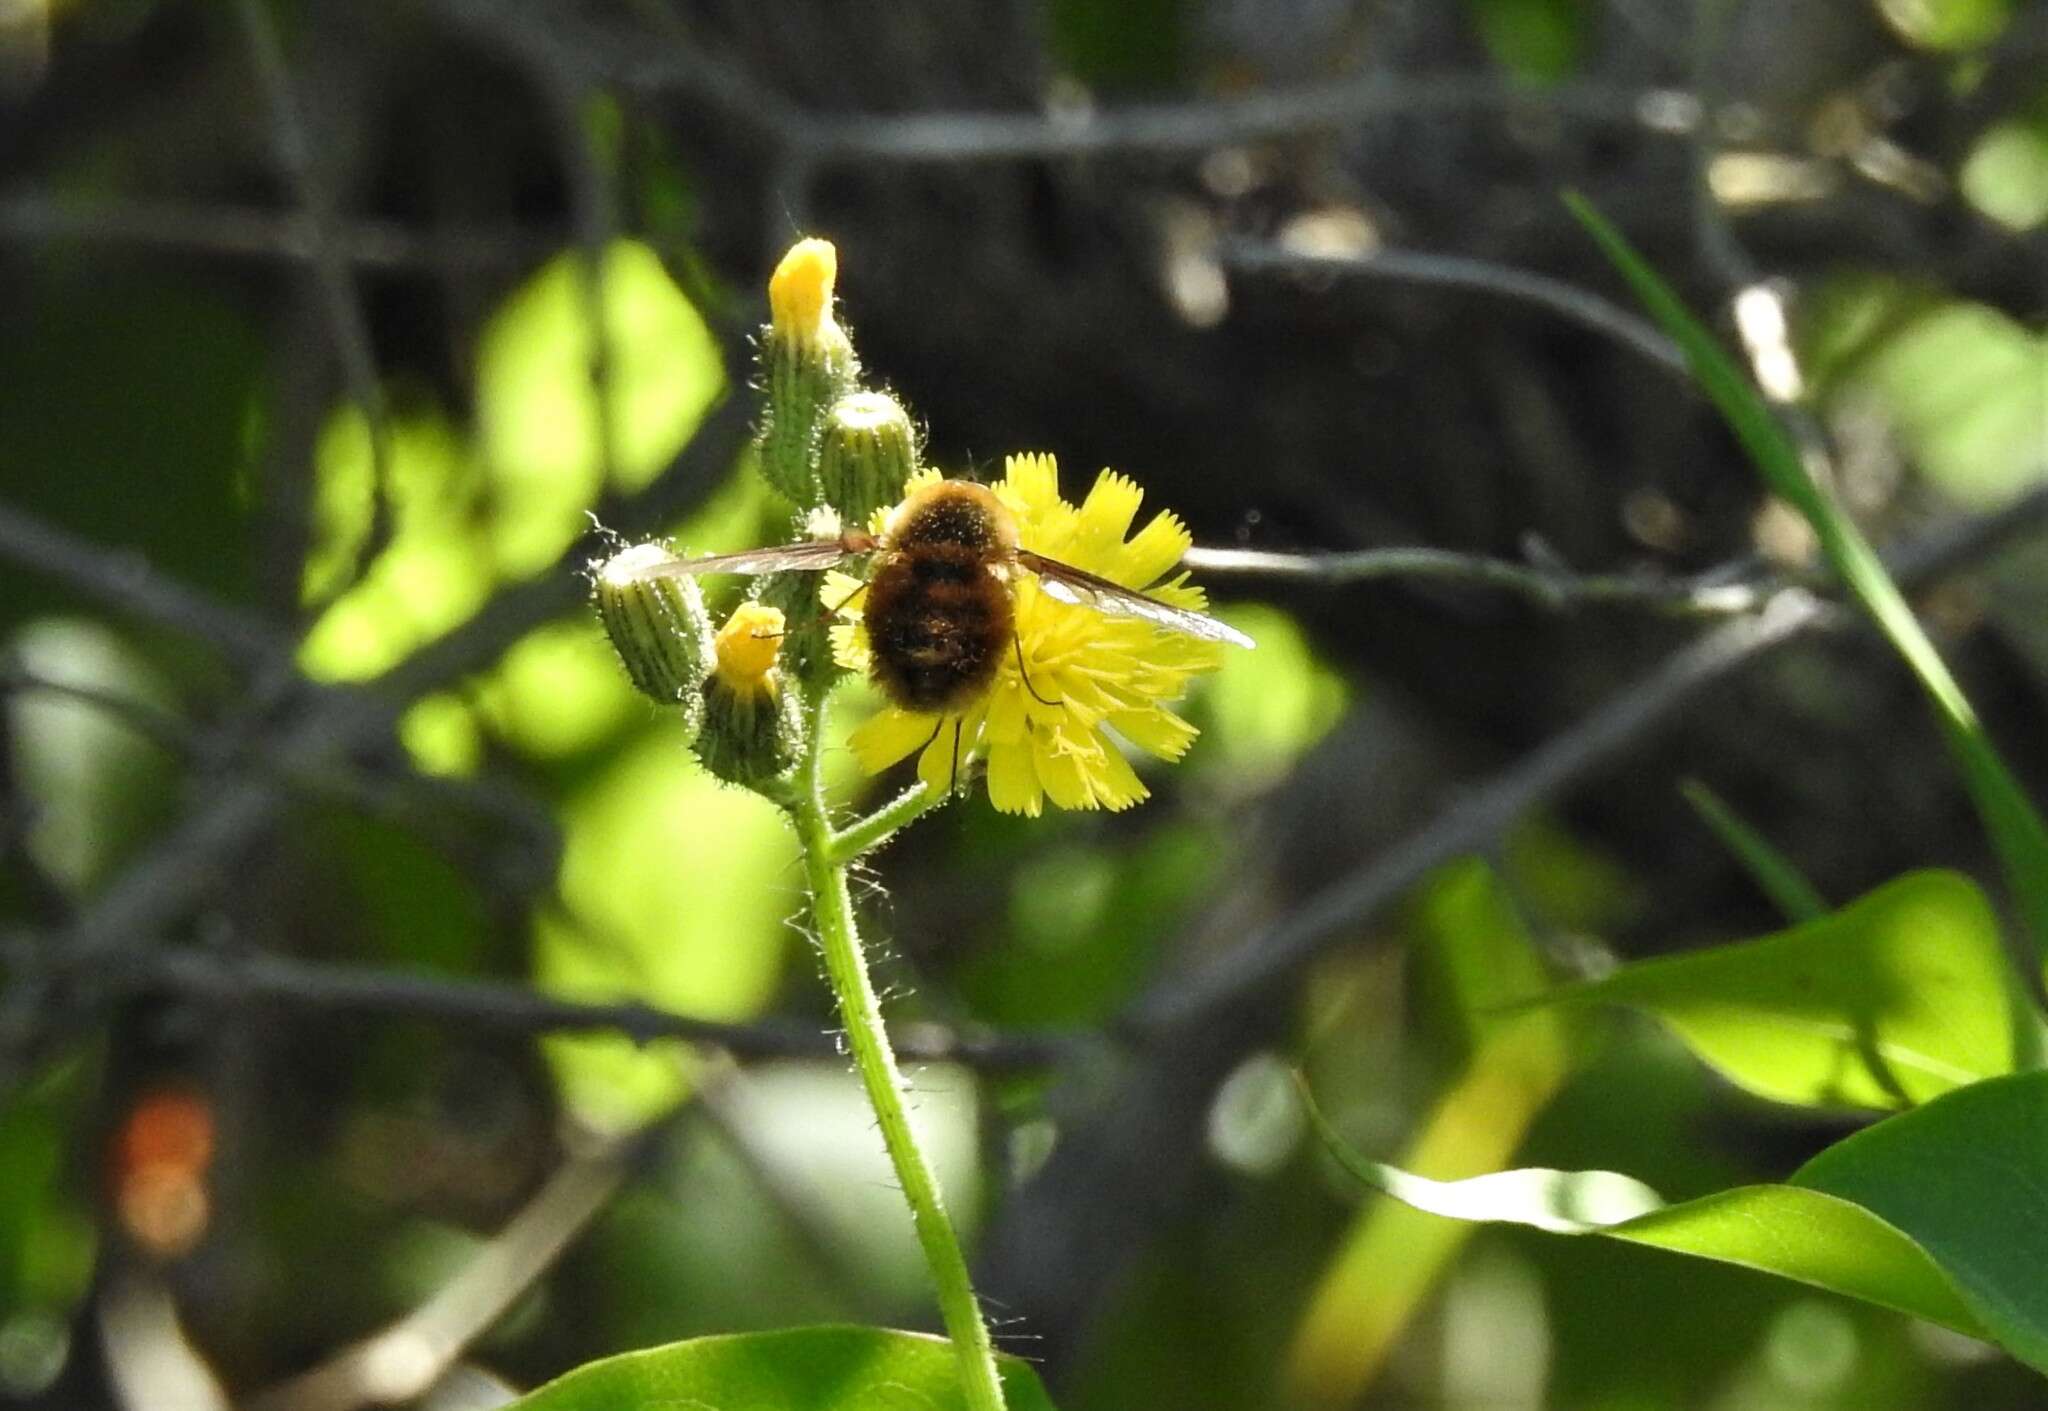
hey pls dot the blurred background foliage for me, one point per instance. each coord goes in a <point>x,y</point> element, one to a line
<point>319,340</point>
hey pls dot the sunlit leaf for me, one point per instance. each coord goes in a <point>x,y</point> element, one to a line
<point>1837,1227</point>
<point>1947,24</point>
<point>542,437</point>
<point>433,572</point>
<point>559,691</point>
<point>674,891</point>
<point>91,785</point>
<point>2006,173</point>
<point>2010,818</point>
<point>1393,1257</point>
<point>1963,1177</point>
<point>797,1369</point>
<point>1263,709</point>
<point>1894,999</point>
<point>1965,385</point>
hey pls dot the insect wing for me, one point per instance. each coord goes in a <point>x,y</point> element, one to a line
<point>811,554</point>
<point>1083,589</point>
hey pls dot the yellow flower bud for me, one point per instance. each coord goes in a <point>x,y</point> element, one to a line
<point>747,647</point>
<point>753,729</point>
<point>807,364</point>
<point>800,290</point>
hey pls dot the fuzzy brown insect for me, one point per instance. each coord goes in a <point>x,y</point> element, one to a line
<point>939,611</point>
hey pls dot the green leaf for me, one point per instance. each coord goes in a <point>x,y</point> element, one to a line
<point>1392,1259</point>
<point>1538,41</point>
<point>1893,1000</point>
<point>1969,1260</point>
<point>2010,819</point>
<point>794,1369</point>
<point>1966,1178</point>
<point>1772,871</point>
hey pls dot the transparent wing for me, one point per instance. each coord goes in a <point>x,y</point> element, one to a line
<point>811,554</point>
<point>1083,589</point>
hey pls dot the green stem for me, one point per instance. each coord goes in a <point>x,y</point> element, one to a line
<point>861,1012</point>
<point>866,834</point>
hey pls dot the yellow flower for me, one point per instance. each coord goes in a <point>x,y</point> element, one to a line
<point>1106,677</point>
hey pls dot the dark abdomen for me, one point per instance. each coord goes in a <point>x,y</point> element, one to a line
<point>938,624</point>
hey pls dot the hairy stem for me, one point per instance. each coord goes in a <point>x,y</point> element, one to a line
<point>861,1012</point>
<point>864,835</point>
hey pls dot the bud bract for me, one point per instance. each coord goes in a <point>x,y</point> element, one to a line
<point>658,627</point>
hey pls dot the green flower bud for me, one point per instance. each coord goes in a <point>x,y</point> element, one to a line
<point>753,728</point>
<point>869,450</point>
<point>658,627</point>
<point>807,364</point>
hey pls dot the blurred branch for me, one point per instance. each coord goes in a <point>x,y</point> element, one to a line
<point>545,41</point>
<point>269,981</point>
<point>190,858</point>
<point>151,1363</point>
<point>125,582</point>
<point>249,232</point>
<point>1266,959</point>
<point>1718,593</point>
<point>1203,124</point>
<point>1581,306</point>
<point>405,1360</point>
<point>336,280</point>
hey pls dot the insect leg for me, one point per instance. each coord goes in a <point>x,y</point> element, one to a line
<point>1018,643</point>
<point>954,783</point>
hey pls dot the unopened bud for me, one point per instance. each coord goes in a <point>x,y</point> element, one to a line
<point>753,728</point>
<point>807,645</point>
<point>658,627</point>
<point>868,451</point>
<point>807,364</point>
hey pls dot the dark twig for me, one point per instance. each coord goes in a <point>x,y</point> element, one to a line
<point>1199,126</point>
<point>188,861</point>
<point>278,982</point>
<point>331,271</point>
<point>1714,594</point>
<point>1267,958</point>
<point>126,583</point>
<point>251,233</point>
<point>1457,271</point>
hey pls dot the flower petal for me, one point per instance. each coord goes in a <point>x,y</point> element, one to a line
<point>1158,732</point>
<point>887,736</point>
<point>1013,781</point>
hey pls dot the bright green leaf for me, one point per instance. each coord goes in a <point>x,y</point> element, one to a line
<point>542,433</point>
<point>1966,1177</point>
<point>1947,24</point>
<point>1810,1235</point>
<point>1894,999</point>
<point>1966,386</point>
<point>2010,819</point>
<point>2006,173</point>
<point>675,890</point>
<point>796,1369</point>
<point>1392,1258</point>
